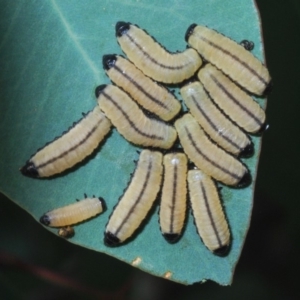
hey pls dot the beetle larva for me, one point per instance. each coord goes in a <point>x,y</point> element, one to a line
<point>235,103</point>
<point>220,129</point>
<point>230,57</point>
<point>66,232</point>
<point>208,213</point>
<point>73,213</point>
<point>70,148</point>
<point>153,59</point>
<point>173,199</point>
<point>137,200</point>
<point>141,88</point>
<point>207,156</point>
<point>130,120</point>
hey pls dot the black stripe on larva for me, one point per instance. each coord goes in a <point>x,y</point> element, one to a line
<point>234,57</point>
<point>189,31</point>
<point>88,135</point>
<point>152,58</point>
<point>173,197</point>
<point>213,125</point>
<point>45,219</point>
<point>215,164</point>
<point>152,136</point>
<point>208,209</point>
<point>29,170</point>
<point>122,28</point>
<point>138,198</point>
<point>236,101</point>
<point>110,63</point>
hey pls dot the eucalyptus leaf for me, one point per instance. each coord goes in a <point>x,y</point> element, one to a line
<point>51,53</point>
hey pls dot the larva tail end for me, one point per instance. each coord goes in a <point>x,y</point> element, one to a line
<point>189,32</point>
<point>44,219</point>
<point>103,203</point>
<point>222,251</point>
<point>99,89</point>
<point>245,181</point>
<point>29,170</point>
<point>171,237</point>
<point>110,239</point>
<point>248,151</point>
<point>108,61</point>
<point>122,28</point>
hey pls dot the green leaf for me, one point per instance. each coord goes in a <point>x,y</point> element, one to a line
<point>51,54</point>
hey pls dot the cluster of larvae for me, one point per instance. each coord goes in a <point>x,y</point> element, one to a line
<point>217,77</point>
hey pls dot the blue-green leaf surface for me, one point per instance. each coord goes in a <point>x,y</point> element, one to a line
<point>50,64</point>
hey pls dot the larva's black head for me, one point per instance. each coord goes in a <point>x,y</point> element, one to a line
<point>110,239</point>
<point>222,251</point>
<point>99,89</point>
<point>171,237</point>
<point>248,151</point>
<point>268,89</point>
<point>104,207</point>
<point>245,181</point>
<point>189,32</point>
<point>262,129</point>
<point>248,45</point>
<point>45,219</point>
<point>122,28</point>
<point>108,61</point>
<point>30,170</point>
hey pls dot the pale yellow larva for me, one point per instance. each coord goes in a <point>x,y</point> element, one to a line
<point>173,198</point>
<point>130,120</point>
<point>208,213</point>
<point>153,59</point>
<point>220,129</point>
<point>207,156</point>
<point>137,200</point>
<point>230,57</point>
<point>152,96</point>
<point>235,102</point>
<point>73,213</point>
<point>70,148</point>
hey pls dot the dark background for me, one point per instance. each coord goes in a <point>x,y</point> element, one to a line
<point>269,264</point>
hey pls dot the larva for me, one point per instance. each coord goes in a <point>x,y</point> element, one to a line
<point>152,59</point>
<point>66,232</point>
<point>73,213</point>
<point>137,200</point>
<point>208,213</point>
<point>236,103</point>
<point>220,129</point>
<point>130,120</point>
<point>141,88</point>
<point>230,57</point>
<point>70,148</point>
<point>207,156</point>
<point>173,198</point>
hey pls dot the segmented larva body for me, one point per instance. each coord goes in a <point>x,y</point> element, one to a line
<point>141,88</point>
<point>130,120</point>
<point>208,212</point>
<point>207,156</point>
<point>70,148</point>
<point>137,200</point>
<point>172,210</point>
<point>220,129</point>
<point>230,57</point>
<point>66,232</point>
<point>153,59</point>
<point>73,213</point>
<point>236,103</point>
